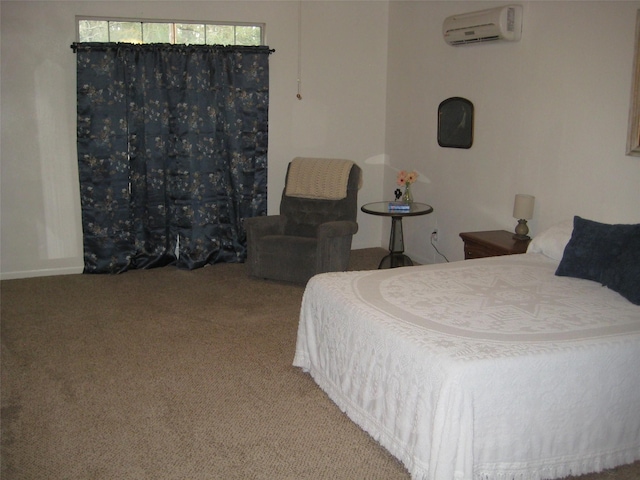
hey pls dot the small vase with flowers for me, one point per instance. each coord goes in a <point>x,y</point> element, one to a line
<point>405,179</point>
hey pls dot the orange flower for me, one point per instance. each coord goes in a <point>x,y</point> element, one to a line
<point>405,178</point>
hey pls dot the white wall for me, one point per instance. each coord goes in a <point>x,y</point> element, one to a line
<point>551,114</point>
<point>341,113</point>
<point>551,118</point>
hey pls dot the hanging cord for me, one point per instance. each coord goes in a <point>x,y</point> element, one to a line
<point>436,249</point>
<point>299,95</point>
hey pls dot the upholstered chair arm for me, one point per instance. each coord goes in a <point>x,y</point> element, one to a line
<point>340,228</point>
<point>334,245</point>
<point>257,227</point>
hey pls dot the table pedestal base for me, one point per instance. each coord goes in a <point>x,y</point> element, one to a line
<point>394,260</point>
<point>396,257</point>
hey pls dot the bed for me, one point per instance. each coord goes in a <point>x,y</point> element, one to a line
<point>494,368</point>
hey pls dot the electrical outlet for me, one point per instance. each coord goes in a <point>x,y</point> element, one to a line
<point>434,235</point>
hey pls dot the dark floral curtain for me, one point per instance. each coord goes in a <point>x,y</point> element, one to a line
<point>172,152</point>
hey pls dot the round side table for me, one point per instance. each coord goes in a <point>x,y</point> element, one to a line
<point>396,256</point>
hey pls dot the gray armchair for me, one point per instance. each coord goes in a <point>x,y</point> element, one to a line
<point>310,236</point>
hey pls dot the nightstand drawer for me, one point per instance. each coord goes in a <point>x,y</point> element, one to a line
<point>480,251</point>
<point>491,243</point>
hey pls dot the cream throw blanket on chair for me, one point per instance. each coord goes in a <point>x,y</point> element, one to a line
<point>323,178</point>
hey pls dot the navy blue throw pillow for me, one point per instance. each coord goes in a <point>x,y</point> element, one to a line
<point>594,247</point>
<point>623,276</point>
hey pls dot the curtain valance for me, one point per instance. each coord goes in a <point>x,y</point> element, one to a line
<point>98,46</point>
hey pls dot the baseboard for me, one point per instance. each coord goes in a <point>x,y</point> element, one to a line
<point>47,272</point>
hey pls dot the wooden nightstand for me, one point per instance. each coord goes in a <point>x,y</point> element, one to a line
<point>491,244</point>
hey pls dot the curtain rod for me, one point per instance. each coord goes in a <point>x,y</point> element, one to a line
<point>75,46</point>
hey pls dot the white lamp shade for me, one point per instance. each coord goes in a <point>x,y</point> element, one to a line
<point>523,206</point>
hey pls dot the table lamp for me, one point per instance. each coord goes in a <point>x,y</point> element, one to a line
<point>523,211</point>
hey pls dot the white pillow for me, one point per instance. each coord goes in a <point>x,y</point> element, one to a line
<point>552,241</point>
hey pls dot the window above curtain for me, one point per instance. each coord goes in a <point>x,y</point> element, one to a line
<point>97,29</point>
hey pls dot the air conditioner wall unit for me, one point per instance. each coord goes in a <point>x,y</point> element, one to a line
<point>500,23</point>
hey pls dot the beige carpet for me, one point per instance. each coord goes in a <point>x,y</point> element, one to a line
<point>169,374</point>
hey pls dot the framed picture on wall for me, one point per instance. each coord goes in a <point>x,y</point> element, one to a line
<point>633,133</point>
<point>455,123</point>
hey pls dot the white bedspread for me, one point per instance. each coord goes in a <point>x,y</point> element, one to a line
<point>483,369</point>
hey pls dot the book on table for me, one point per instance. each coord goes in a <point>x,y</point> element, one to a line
<point>399,207</point>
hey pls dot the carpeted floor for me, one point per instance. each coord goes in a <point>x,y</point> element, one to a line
<point>169,374</point>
